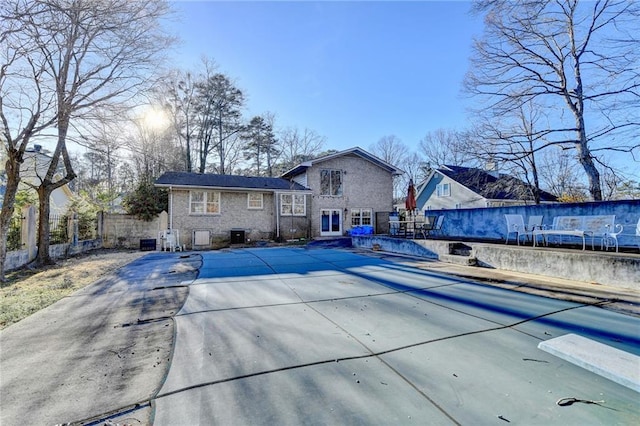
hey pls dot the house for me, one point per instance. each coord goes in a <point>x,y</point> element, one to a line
<point>348,189</point>
<point>455,187</point>
<point>208,207</point>
<point>326,196</point>
<point>34,167</point>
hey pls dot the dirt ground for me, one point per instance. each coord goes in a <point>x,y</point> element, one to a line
<point>29,290</point>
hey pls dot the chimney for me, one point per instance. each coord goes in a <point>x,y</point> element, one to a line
<point>491,167</point>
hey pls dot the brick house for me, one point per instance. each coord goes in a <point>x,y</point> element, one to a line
<point>208,207</point>
<point>322,197</point>
<point>348,189</point>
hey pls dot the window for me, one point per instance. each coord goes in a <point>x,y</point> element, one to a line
<point>331,182</point>
<point>292,205</point>
<point>204,202</point>
<point>360,217</point>
<point>443,190</point>
<point>254,201</point>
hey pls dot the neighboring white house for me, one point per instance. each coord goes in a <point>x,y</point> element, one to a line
<point>455,187</point>
<point>33,168</point>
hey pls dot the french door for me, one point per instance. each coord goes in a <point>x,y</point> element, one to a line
<point>330,222</point>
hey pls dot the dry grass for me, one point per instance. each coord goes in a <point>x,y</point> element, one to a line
<point>27,291</point>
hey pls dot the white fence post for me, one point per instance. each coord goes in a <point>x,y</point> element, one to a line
<point>29,231</point>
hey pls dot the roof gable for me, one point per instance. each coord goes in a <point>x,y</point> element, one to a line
<point>185,179</point>
<point>302,167</point>
<point>490,186</point>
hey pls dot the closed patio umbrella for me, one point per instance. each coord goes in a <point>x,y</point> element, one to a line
<point>410,202</point>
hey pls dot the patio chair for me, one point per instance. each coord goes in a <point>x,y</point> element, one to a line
<point>437,228</point>
<point>515,225</point>
<point>428,225</point>
<point>534,222</point>
<point>610,236</point>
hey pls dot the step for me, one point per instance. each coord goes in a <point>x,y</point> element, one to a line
<point>458,260</point>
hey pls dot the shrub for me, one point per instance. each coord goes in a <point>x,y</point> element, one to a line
<point>146,201</point>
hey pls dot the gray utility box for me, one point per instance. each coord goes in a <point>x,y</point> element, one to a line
<point>237,236</point>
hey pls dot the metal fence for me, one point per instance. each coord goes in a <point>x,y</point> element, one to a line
<point>87,227</point>
<point>58,229</point>
<point>14,236</point>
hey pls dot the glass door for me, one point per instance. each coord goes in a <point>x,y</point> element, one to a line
<point>330,222</point>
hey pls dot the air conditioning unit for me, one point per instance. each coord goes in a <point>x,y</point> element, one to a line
<point>201,237</point>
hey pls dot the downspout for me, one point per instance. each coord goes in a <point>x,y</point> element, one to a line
<point>170,207</point>
<point>276,194</point>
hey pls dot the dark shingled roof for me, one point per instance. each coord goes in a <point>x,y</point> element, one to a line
<point>226,181</point>
<point>503,187</point>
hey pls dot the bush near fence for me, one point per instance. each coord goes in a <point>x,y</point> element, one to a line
<point>14,236</point>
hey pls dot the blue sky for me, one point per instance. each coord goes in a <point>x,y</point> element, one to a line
<point>352,71</point>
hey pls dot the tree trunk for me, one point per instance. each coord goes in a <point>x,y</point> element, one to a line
<point>585,159</point>
<point>188,149</point>
<point>221,152</point>
<point>13,179</point>
<point>44,192</point>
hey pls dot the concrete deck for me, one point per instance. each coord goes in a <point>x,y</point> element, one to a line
<point>620,270</point>
<point>333,336</point>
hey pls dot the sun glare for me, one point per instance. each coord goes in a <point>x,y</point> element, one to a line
<point>155,119</point>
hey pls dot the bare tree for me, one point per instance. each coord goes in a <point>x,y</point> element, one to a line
<point>578,59</point>
<point>297,146</point>
<point>177,93</point>
<point>81,55</point>
<point>445,146</point>
<point>23,105</point>
<point>153,150</point>
<point>392,150</point>
<point>219,105</point>
<point>103,138</point>
<point>511,143</point>
<point>558,172</point>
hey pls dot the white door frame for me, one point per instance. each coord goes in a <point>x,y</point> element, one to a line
<point>331,231</point>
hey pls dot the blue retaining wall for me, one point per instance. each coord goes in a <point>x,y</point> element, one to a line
<point>489,224</point>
